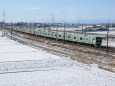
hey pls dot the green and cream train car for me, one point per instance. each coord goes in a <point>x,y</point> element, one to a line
<point>78,38</point>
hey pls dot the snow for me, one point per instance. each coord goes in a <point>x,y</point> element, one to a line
<point>104,32</point>
<point>110,43</point>
<point>21,65</point>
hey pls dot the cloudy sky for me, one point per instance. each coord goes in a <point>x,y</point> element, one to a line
<point>57,10</point>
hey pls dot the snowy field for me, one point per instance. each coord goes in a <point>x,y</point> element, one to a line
<point>104,32</point>
<point>21,65</point>
<point>110,43</point>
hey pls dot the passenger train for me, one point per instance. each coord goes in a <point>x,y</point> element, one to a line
<point>72,37</point>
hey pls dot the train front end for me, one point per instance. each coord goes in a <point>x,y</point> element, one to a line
<point>98,41</point>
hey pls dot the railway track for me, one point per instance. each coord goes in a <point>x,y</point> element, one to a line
<point>71,49</point>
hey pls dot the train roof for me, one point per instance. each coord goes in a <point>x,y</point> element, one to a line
<point>73,34</point>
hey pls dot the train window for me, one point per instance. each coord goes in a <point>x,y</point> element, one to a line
<point>80,38</point>
<point>45,33</point>
<point>59,35</point>
<point>74,37</point>
<point>52,34</point>
<point>93,40</point>
<point>55,34</point>
<point>68,36</point>
<point>48,34</point>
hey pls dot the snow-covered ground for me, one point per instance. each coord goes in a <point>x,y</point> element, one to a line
<point>21,65</point>
<point>104,32</point>
<point>110,43</point>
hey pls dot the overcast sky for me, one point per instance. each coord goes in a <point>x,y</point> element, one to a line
<point>57,10</point>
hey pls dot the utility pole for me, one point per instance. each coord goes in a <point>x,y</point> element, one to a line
<point>11,29</point>
<point>33,26</point>
<point>82,28</point>
<point>3,23</point>
<point>53,20</point>
<point>57,32</point>
<point>44,26</point>
<point>107,35</point>
<point>64,33</point>
<point>85,30</point>
<point>77,28</point>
